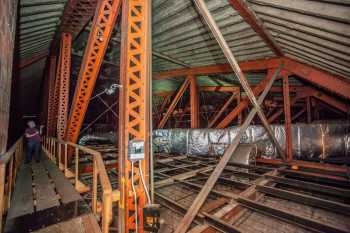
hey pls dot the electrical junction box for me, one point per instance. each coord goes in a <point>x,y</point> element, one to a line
<point>136,150</point>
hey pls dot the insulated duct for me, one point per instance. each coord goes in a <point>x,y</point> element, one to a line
<point>310,141</point>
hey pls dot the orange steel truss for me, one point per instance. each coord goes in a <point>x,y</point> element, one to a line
<point>51,108</point>
<point>76,15</point>
<point>102,27</point>
<point>134,108</point>
<point>64,73</point>
<point>53,126</point>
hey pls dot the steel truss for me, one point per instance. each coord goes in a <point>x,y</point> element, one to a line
<point>134,108</point>
<point>102,27</point>
<point>51,108</point>
<point>64,78</point>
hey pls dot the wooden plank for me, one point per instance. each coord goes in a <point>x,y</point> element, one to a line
<point>182,176</point>
<point>63,186</point>
<point>45,194</point>
<point>82,224</point>
<point>22,201</point>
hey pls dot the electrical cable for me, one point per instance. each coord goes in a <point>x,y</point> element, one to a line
<point>144,184</point>
<point>135,196</point>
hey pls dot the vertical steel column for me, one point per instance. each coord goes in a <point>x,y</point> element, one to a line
<point>56,96</point>
<point>101,30</point>
<point>308,109</point>
<point>194,102</point>
<point>315,108</point>
<point>287,118</point>
<point>240,116</point>
<point>134,108</point>
<point>65,63</point>
<point>50,125</point>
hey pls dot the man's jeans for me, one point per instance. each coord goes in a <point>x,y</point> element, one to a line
<point>33,148</point>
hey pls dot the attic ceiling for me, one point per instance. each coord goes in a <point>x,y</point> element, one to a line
<point>313,32</point>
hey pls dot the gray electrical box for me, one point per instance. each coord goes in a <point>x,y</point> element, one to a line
<point>136,150</point>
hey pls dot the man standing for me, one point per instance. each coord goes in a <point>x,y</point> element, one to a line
<point>33,142</point>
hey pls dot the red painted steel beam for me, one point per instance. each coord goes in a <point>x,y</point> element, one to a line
<point>76,15</point>
<point>342,106</point>
<point>324,79</point>
<point>134,111</point>
<point>27,62</point>
<point>245,102</point>
<point>51,97</point>
<point>246,66</point>
<point>275,115</point>
<point>65,65</point>
<point>250,18</point>
<point>194,100</point>
<point>240,115</point>
<point>219,88</point>
<point>232,89</point>
<point>56,97</point>
<point>216,117</point>
<point>308,109</point>
<point>173,104</point>
<point>101,30</point>
<point>287,118</point>
<point>298,114</point>
<point>331,82</point>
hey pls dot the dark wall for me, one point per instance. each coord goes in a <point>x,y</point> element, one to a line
<point>8,13</point>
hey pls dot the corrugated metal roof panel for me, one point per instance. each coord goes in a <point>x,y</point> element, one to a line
<point>38,21</point>
<point>178,32</point>
<point>314,32</point>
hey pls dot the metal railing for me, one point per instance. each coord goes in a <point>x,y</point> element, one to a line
<point>55,149</point>
<point>10,161</point>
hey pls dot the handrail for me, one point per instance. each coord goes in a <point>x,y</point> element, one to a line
<point>53,149</point>
<point>10,161</point>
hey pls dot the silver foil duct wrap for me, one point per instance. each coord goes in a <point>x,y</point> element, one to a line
<point>100,138</point>
<point>310,141</point>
